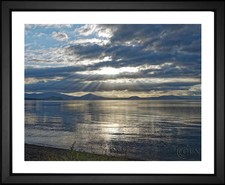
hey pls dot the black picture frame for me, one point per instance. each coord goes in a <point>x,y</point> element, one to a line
<point>6,127</point>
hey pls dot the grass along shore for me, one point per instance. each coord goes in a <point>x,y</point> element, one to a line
<point>43,153</point>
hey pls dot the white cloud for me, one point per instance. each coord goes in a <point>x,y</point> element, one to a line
<point>86,30</point>
<point>59,56</point>
<point>105,32</point>
<point>28,44</point>
<point>99,30</point>
<point>40,35</point>
<point>60,36</point>
<point>110,71</point>
<point>36,92</point>
<point>90,41</point>
<point>116,71</point>
<point>156,67</point>
<point>29,26</point>
<point>195,89</point>
<point>36,80</point>
<point>92,62</point>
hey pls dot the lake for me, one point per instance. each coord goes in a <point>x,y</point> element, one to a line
<point>158,130</point>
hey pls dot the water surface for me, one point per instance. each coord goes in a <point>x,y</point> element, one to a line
<point>139,129</point>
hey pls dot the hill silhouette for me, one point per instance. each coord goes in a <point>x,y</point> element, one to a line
<point>59,96</point>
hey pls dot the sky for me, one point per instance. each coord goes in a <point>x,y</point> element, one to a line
<point>117,60</point>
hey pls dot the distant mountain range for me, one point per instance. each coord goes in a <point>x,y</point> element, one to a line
<point>58,96</point>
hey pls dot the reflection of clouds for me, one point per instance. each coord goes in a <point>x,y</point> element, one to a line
<point>32,114</point>
<point>74,106</point>
<point>30,118</point>
<point>32,105</point>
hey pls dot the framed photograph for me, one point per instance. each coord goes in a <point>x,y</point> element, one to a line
<point>115,92</point>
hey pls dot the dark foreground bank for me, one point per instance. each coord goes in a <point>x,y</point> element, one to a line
<point>43,153</point>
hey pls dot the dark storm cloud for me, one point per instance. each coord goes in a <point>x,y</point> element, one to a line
<point>85,52</point>
<point>135,33</point>
<point>152,44</point>
<point>161,38</point>
<point>123,56</point>
<point>51,72</point>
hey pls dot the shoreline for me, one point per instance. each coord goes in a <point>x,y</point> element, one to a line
<point>45,153</point>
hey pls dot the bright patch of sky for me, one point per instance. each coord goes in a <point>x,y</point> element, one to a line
<point>45,36</point>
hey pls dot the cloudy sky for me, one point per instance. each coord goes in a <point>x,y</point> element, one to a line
<point>119,60</point>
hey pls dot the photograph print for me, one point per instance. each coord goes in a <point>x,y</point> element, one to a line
<point>112,92</point>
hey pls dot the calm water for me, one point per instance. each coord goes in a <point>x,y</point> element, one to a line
<point>143,130</point>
